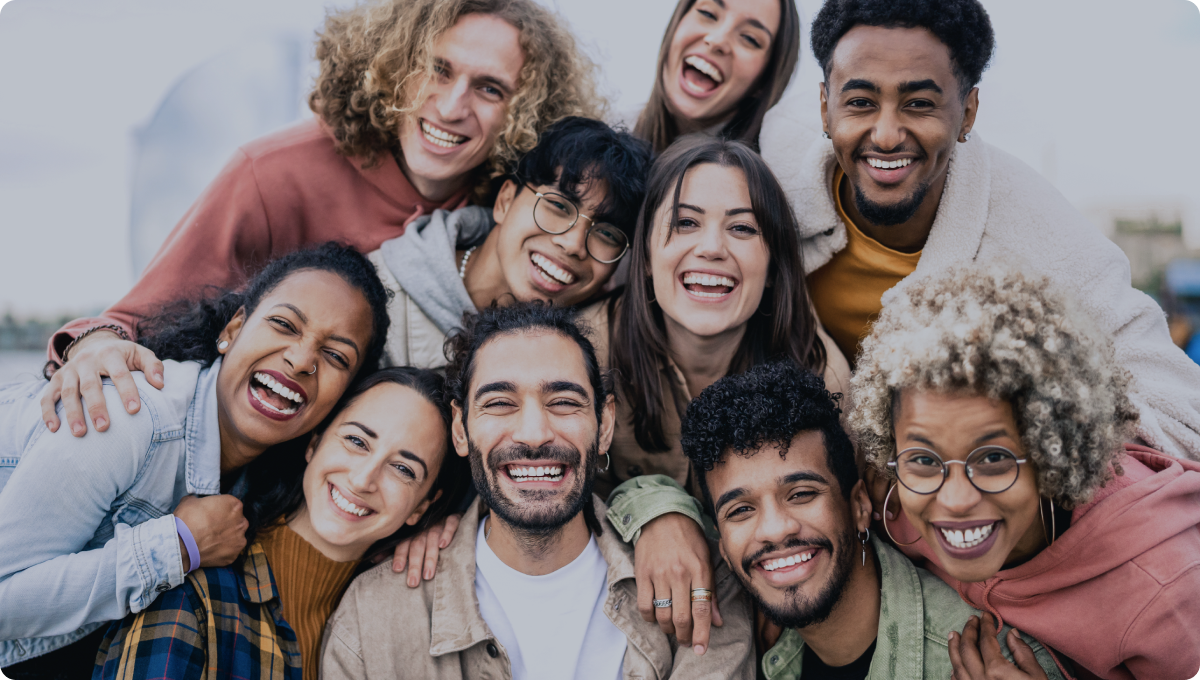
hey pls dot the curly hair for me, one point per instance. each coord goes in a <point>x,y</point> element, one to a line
<point>187,330</point>
<point>768,404</point>
<point>376,61</point>
<point>962,25</point>
<point>1001,335</point>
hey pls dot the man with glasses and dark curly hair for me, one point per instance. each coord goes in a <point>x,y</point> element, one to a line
<point>778,473</point>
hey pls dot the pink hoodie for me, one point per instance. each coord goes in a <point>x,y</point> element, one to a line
<point>1119,592</point>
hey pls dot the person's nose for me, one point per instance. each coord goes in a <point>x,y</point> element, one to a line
<point>574,240</point>
<point>452,99</point>
<point>363,475</point>
<point>889,132</point>
<point>710,244</point>
<point>958,495</point>
<point>302,357</point>
<point>718,39</point>
<point>775,525</point>
<point>533,426</point>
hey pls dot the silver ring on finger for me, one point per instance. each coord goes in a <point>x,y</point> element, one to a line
<point>662,604</point>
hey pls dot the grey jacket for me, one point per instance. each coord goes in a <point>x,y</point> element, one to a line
<point>428,296</point>
<point>384,629</point>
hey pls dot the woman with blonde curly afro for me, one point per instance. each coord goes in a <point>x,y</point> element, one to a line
<point>1000,422</point>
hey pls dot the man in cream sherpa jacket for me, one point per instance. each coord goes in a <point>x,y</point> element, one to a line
<point>998,210</point>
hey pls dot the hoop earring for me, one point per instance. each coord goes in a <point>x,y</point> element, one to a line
<point>884,516</point>
<point>863,539</point>
<point>607,462</point>
<point>1053,528</point>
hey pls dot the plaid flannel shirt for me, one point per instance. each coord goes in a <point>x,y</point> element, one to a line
<point>221,623</point>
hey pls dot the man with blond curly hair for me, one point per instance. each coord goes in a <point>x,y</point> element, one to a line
<point>419,105</point>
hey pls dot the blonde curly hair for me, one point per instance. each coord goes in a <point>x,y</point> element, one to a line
<point>1005,336</point>
<point>377,59</point>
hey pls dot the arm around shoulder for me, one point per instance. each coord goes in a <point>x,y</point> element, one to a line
<point>637,501</point>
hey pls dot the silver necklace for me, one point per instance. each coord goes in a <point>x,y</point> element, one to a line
<point>462,268</point>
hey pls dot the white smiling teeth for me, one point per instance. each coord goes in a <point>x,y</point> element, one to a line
<point>549,473</point>
<point>704,67</point>
<point>440,137</point>
<point>552,270</point>
<point>969,538</point>
<point>779,563</point>
<point>274,385</point>
<point>340,501</point>
<point>889,165</point>
<point>707,280</point>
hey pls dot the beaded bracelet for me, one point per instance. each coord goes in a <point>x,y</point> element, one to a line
<point>106,327</point>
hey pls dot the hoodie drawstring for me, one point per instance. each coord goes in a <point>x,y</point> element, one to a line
<point>987,606</point>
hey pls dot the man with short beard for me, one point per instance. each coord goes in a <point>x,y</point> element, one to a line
<point>778,473</point>
<point>546,588</point>
<point>902,185</point>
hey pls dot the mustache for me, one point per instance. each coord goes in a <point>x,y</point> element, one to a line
<point>871,148</point>
<point>791,543</point>
<point>567,455</point>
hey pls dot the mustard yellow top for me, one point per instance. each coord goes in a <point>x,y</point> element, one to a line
<point>310,587</point>
<point>846,291</point>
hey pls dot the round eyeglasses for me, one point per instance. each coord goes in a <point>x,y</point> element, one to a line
<point>991,469</point>
<point>554,213</point>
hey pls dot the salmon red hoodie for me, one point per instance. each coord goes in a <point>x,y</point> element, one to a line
<point>1119,591</point>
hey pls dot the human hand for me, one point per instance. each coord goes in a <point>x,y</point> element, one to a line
<point>976,655</point>
<point>423,548</point>
<point>217,524</point>
<point>672,558</point>
<point>102,353</point>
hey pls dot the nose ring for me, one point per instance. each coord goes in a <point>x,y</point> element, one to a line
<point>314,370</point>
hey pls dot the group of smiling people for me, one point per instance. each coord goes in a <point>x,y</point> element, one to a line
<point>457,380</point>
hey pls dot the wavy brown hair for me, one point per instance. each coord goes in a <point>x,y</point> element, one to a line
<point>377,60</point>
<point>657,125</point>
<point>783,327</point>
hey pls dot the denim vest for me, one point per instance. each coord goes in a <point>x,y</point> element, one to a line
<point>86,534</point>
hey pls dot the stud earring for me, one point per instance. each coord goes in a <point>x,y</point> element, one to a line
<point>825,134</point>
<point>222,346</point>
<point>967,137</point>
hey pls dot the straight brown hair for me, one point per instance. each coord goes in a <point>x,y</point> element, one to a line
<point>656,125</point>
<point>783,327</point>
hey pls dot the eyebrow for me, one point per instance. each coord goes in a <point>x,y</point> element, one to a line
<point>992,435</point>
<point>497,386</point>
<point>552,386</point>
<point>860,84</point>
<point>919,85</point>
<point>752,21</point>
<point>336,338</point>
<point>409,455</point>
<point>369,432</point>
<point>693,208</point>
<point>730,496</point>
<point>728,213</point>
<point>801,476</point>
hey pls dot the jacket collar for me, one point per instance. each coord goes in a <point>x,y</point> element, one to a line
<point>202,436</point>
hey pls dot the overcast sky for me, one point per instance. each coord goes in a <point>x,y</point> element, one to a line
<point>1101,96</point>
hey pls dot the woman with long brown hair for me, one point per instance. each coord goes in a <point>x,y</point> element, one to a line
<point>721,66</point>
<point>716,286</point>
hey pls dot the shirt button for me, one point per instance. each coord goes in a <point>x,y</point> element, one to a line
<point>163,587</point>
<point>626,519</point>
<point>492,651</point>
<point>774,659</point>
<point>634,471</point>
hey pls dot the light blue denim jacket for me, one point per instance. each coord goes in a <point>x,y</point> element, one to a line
<point>86,534</point>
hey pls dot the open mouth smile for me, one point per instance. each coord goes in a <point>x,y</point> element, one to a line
<point>966,541</point>
<point>345,505</point>
<point>781,562</point>
<point>275,396</point>
<point>700,77</point>
<point>792,567</point>
<point>889,171</point>
<point>707,287</point>
<point>529,474</point>
<point>439,137</point>
<point>548,275</point>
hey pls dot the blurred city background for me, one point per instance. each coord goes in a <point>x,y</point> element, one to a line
<point>114,115</point>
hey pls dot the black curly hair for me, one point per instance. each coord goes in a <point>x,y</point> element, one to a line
<point>962,25</point>
<point>768,404</point>
<point>187,330</point>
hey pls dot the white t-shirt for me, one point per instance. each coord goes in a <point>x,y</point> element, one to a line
<point>552,626</point>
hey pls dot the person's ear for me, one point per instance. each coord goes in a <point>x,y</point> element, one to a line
<point>825,108</point>
<point>970,110</point>
<point>504,201</point>
<point>313,442</point>
<point>608,421</point>
<point>721,549</point>
<point>231,331</point>
<point>458,431</point>
<point>419,511</point>
<point>860,506</point>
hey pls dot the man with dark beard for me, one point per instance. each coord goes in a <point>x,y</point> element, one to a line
<point>778,473</point>
<point>545,588</point>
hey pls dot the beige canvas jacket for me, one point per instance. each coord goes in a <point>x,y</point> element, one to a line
<point>384,629</point>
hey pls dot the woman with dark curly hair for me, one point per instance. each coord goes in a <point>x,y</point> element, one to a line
<point>722,65</point>
<point>999,419</point>
<point>379,465</point>
<point>419,105</point>
<point>94,528</point>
